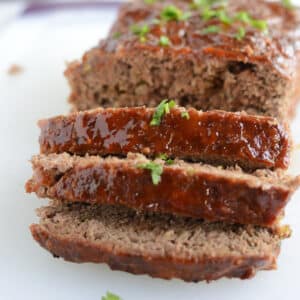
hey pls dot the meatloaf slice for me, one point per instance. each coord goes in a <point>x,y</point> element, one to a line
<point>188,189</point>
<point>216,137</point>
<point>258,73</point>
<point>158,245</point>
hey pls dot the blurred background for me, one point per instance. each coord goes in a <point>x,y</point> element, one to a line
<point>9,9</point>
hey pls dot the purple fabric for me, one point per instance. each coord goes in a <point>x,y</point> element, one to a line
<point>38,7</point>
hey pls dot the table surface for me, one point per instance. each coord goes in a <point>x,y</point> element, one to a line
<point>41,44</point>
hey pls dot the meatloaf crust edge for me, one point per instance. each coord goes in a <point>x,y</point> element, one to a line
<point>80,251</point>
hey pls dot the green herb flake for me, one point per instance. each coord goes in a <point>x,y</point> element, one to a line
<point>141,31</point>
<point>260,24</point>
<point>211,29</point>
<point>287,4</point>
<point>162,109</point>
<point>169,161</point>
<point>117,35</point>
<point>240,33</point>
<point>223,17</point>
<point>243,16</point>
<point>156,171</point>
<point>185,115</point>
<point>164,41</point>
<point>173,13</point>
<point>219,14</point>
<point>164,157</point>
<point>208,14</point>
<point>207,3</point>
<point>110,296</point>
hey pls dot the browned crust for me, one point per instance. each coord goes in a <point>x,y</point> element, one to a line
<point>204,192</point>
<point>266,83</point>
<point>216,137</point>
<point>80,251</point>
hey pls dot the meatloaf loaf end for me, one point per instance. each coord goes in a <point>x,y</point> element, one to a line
<point>188,189</point>
<point>216,137</point>
<point>158,245</point>
<point>258,73</point>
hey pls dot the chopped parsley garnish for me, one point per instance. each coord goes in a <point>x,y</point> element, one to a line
<point>116,35</point>
<point>164,41</point>
<point>156,171</point>
<point>223,17</point>
<point>259,24</point>
<point>211,29</point>
<point>110,296</point>
<point>185,115</point>
<point>206,3</point>
<point>173,13</point>
<point>244,17</point>
<point>162,109</point>
<point>287,4</point>
<point>220,14</point>
<point>240,33</point>
<point>141,31</point>
<point>164,157</point>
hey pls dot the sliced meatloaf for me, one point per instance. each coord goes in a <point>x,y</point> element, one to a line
<point>161,246</point>
<point>241,57</point>
<point>216,137</point>
<point>188,189</point>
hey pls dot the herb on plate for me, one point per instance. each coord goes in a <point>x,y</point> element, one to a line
<point>110,296</point>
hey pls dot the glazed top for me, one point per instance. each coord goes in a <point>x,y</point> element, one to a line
<point>277,48</point>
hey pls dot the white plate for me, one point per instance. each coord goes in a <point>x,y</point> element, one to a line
<point>42,44</point>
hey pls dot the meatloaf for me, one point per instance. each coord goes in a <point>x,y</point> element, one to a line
<point>161,246</point>
<point>188,189</point>
<point>241,57</point>
<point>216,137</point>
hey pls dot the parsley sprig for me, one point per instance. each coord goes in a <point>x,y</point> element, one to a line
<point>141,31</point>
<point>110,296</point>
<point>173,13</point>
<point>242,17</point>
<point>245,18</point>
<point>240,33</point>
<point>185,115</point>
<point>163,156</point>
<point>162,109</point>
<point>211,29</point>
<point>156,171</point>
<point>207,3</point>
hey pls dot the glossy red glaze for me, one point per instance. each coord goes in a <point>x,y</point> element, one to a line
<point>205,194</point>
<point>215,136</point>
<point>278,48</point>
